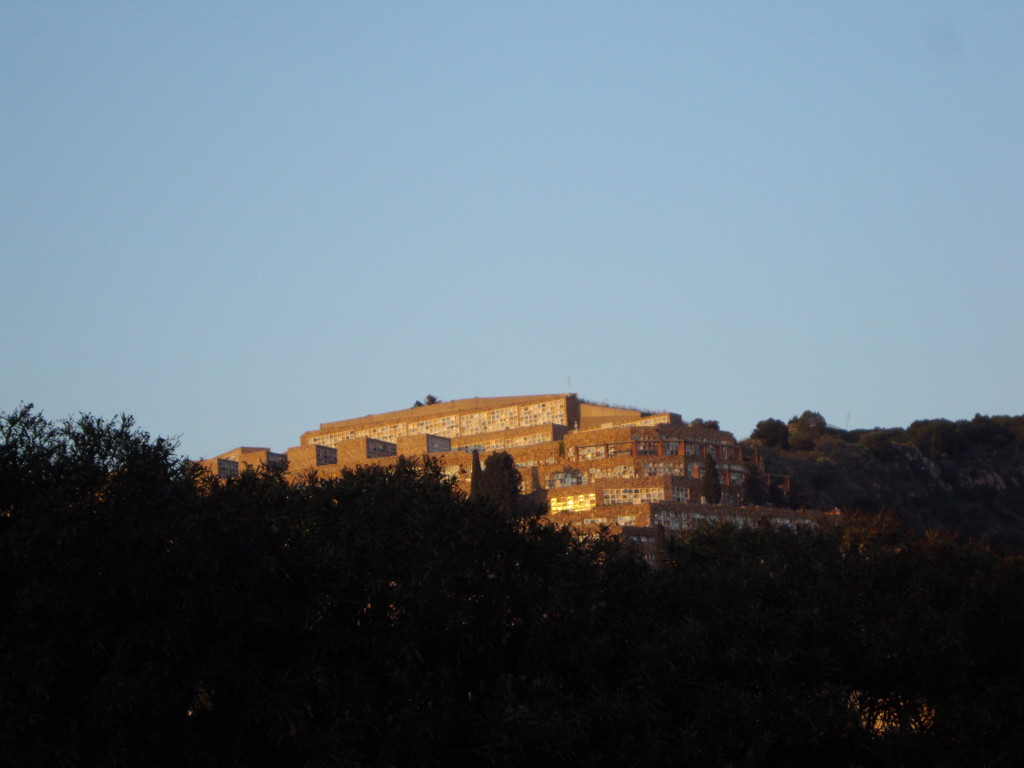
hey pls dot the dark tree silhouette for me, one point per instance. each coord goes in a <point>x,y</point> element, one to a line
<point>805,429</point>
<point>155,615</point>
<point>475,485</point>
<point>710,482</point>
<point>500,483</point>
<point>754,491</point>
<point>772,433</point>
<point>706,423</point>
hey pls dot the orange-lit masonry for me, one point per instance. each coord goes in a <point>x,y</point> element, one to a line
<point>591,465</point>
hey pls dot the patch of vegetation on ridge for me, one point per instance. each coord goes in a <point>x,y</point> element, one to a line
<point>966,476</point>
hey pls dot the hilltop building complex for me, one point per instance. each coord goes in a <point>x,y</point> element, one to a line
<point>591,465</point>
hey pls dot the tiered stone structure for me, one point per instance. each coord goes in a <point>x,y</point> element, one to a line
<point>237,460</point>
<point>591,465</point>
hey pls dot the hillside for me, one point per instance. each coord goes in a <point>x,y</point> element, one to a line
<point>966,476</point>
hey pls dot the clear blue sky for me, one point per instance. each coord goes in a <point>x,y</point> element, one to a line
<point>237,220</point>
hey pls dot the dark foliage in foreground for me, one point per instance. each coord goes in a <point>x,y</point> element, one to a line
<point>153,616</point>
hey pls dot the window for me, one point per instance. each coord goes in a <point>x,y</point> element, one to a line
<point>562,479</point>
<point>578,503</point>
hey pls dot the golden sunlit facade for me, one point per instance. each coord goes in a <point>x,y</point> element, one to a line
<point>590,465</point>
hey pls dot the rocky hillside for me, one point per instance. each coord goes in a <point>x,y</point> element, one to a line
<point>966,476</point>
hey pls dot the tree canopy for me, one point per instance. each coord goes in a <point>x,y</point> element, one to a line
<point>497,483</point>
<point>710,482</point>
<point>706,423</point>
<point>806,428</point>
<point>771,433</point>
<point>965,475</point>
<point>154,615</point>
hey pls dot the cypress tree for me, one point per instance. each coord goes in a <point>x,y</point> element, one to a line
<point>710,485</point>
<point>475,476</point>
<point>501,483</point>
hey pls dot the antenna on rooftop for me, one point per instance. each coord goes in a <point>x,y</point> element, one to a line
<point>569,383</point>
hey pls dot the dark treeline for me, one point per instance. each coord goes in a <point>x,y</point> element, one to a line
<point>155,616</point>
<point>965,476</point>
